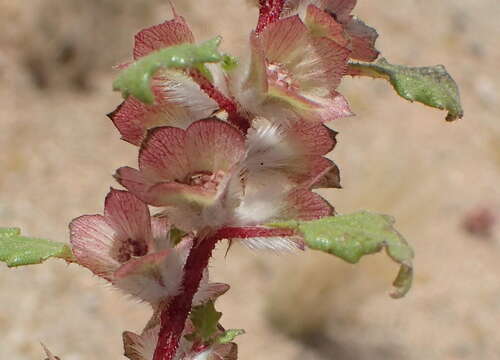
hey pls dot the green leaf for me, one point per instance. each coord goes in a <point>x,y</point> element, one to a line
<point>429,85</point>
<point>136,79</point>
<point>9,232</point>
<point>205,319</point>
<point>229,335</point>
<point>350,237</point>
<point>17,250</point>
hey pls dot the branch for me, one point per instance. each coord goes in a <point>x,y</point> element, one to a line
<point>251,232</point>
<point>173,317</point>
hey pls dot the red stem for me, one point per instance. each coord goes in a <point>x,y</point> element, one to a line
<point>222,100</point>
<point>269,12</point>
<point>250,232</point>
<point>173,318</point>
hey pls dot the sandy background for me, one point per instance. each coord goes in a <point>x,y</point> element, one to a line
<point>58,152</point>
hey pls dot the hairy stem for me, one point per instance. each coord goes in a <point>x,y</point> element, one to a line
<point>269,12</point>
<point>173,317</point>
<point>250,232</point>
<point>224,102</point>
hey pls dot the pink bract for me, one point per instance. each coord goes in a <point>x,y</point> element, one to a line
<point>293,75</point>
<point>104,243</point>
<point>184,167</point>
<point>296,149</point>
<point>134,251</point>
<point>333,19</point>
<point>179,100</point>
<point>168,33</point>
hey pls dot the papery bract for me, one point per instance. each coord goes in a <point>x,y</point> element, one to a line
<point>292,75</point>
<point>268,196</point>
<point>296,150</point>
<point>333,19</point>
<point>133,250</point>
<point>186,169</point>
<point>179,100</point>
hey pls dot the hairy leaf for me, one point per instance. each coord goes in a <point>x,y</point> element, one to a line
<point>429,85</point>
<point>205,319</point>
<point>229,335</point>
<point>17,250</point>
<point>136,79</point>
<point>9,232</point>
<point>350,237</point>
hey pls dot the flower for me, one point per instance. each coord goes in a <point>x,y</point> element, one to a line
<point>296,150</point>
<point>185,170</point>
<point>282,164</point>
<point>207,175</point>
<point>333,19</point>
<point>133,250</point>
<point>292,75</point>
<point>179,100</point>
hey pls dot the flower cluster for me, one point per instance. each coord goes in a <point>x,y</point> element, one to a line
<point>222,153</point>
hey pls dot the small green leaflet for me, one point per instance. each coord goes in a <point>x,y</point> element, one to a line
<point>135,80</point>
<point>17,250</point>
<point>205,319</point>
<point>429,85</point>
<point>229,335</point>
<point>350,237</point>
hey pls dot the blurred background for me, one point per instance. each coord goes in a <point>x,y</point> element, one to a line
<point>440,181</point>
